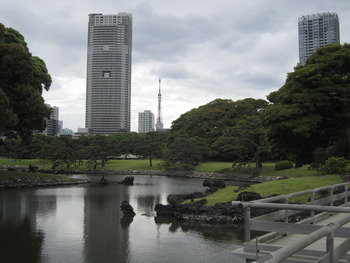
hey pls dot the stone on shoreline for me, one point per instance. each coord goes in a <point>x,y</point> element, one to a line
<point>38,182</point>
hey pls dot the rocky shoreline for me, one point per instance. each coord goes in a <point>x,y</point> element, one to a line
<point>197,212</point>
<point>38,182</point>
<point>202,175</point>
<point>193,212</point>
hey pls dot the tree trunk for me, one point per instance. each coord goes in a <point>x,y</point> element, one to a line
<point>150,160</point>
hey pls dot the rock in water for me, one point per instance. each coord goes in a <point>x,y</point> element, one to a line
<point>103,181</point>
<point>127,209</point>
<point>214,183</point>
<point>128,180</point>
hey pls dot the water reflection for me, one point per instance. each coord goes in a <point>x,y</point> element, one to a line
<point>85,224</point>
<point>105,238</point>
<point>20,241</point>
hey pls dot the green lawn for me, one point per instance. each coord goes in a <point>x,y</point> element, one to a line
<point>211,167</point>
<point>285,186</point>
<point>267,170</point>
<point>18,175</point>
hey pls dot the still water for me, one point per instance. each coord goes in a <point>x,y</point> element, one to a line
<point>84,224</point>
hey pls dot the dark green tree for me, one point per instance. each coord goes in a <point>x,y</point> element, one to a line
<point>60,152</point>
<point>22,78</point>
<point>312,109</point>
<point>100,149</point>
<point>154,144</point>
<point>232,129</point>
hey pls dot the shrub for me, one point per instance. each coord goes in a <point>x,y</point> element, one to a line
<point>225,171</point>
<point>282,165</point>
<point>180,167</point>
<point>334,165</point>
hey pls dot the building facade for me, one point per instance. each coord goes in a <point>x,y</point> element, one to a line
<point>52,124</point>
<point>146,121</point>
<point>315,31</point>
<point>108,84</point>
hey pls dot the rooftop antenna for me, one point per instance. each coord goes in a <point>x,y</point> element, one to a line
<point>159,123</point>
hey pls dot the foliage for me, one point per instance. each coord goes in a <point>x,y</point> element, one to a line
<point>96,151</point>
<point>232,130</point>
<point>282,165</point>
<point>22,77</point>
<point>334,165</point>
<point>186,150</point>
<point>312,109</point>
<point>179,167</point>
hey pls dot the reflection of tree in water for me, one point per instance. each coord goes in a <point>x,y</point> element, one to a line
<point>216,232</point>
<point>18,243</point>
<point>146,203</point>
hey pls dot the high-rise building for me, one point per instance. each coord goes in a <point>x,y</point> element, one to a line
<point>315,31</point>
<point>146,121</point>
<point>108,83</point>
<point>52,124</point>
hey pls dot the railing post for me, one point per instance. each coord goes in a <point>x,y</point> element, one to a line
<point>330,246</point>
<point>246,223</point>
<point>312,214</point>
<point>331,196</point>
<point>286,214</point>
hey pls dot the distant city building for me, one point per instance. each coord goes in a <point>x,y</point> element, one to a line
<point>81,132</point>
<point>52,124</point>
<point>315,31</point>
<point>108,85</point>
<point>66,131</point>
<point>60,126</point>
<point>146,121</point>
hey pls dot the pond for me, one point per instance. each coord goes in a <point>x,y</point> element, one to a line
<point>83,223</point>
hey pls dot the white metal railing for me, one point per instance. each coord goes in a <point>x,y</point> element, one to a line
<point>284,210</point>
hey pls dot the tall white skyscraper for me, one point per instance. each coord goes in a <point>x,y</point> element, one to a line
<point>315,31</point>
<point>146,121</point>
<point>108,83</point>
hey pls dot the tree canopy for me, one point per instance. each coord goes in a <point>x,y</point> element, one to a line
<point>22,78</point>
<point>312,109</point>
<point>232,129</point>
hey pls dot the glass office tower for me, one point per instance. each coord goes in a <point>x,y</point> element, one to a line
<point>315,31</point>
<point>108,83</point>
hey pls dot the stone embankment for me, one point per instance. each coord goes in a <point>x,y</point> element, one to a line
<point>38,182</point>
<point>35,181</point>
<point>201,175</point>
<point>197,212</point>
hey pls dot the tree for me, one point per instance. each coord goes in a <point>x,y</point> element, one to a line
<point>312,109</point>
<point>186,150</point>
<point>60,152</point>
<point>232,129</point>
<point>244,143</point>
<point>22,78</point>
<point>154,145</point>
<point>101,148</point>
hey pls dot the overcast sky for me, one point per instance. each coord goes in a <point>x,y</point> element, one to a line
<point>201,49</point>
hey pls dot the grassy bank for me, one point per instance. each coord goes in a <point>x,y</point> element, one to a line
<point>285,186</point>
<point>19,175</point>
<point>210,167</point>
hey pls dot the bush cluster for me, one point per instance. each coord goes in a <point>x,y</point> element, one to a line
<point>180,167</point>
<point>334,165</point>
<point>282,165</point>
